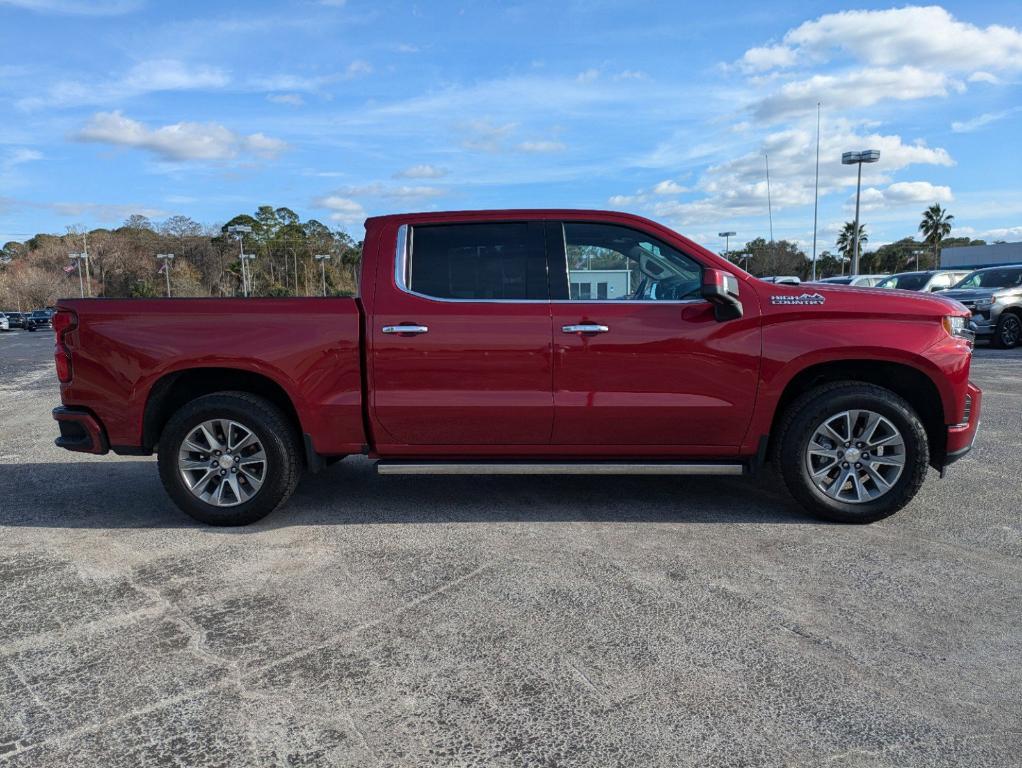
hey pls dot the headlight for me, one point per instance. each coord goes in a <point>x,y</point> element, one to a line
<point>986,302</point>
<point>955,325</point>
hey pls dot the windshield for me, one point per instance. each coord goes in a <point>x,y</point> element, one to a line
<point>992,278</point>
<point>910,281</point>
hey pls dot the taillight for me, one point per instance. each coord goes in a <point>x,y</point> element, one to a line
<point>64,321</point>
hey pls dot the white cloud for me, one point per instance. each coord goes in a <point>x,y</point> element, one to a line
<point>984,77</point>
<point>738,187</point>
<point>898,54</point>
<point>486,136</point>
<point>1011,234</point>
<point>972,124</point>
<point>179,141</point>
<point>588,76</point>
<point>291,99</point>
<point>145,77</point>
<point>342,209</point>
<point>402,192</point>
<point>105,212</point>
<point>541,147</point>
<point>421,171</point>
<point>668,187</point>
<point>860,88</point>
<point>357,68</point>
<point>911,36</point>
<point>19,156</point>
<point>902,193</point>
<point>76,7</point>
<point>767,57</point>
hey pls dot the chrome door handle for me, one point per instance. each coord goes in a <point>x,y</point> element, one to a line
<point>587,328</point>
<point>405,329</point>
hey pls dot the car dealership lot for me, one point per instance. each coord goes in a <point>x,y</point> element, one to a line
<point>503,621</point>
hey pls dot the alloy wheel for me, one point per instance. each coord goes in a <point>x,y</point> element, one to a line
<point>855,456</point>
<point>222,462</point>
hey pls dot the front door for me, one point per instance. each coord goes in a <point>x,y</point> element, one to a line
<point>461,343</point>
<point>648,365</point>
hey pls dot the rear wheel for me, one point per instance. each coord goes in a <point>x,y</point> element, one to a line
<point>1008,332</point>
<point>852,452</point>
<point>229,458</point>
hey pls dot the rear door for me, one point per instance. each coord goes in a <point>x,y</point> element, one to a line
<point>648,365</point>
<point>460,337</point>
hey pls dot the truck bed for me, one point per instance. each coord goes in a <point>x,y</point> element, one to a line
<point>130,353</point>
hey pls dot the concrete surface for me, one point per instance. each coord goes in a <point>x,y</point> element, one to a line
<point>503,622</point>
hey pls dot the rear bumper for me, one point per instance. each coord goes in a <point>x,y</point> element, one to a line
<point>80,431</point>
<point>960,437</point>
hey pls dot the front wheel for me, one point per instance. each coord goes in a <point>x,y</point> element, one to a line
<point>229,458</point>
<point>852,452</point>
<point>1008,332</point>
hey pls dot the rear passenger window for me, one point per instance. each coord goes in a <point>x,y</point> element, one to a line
<point>500,261</point>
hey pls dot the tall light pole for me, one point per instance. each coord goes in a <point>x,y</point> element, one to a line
<point>770,208</point>
<point>322,258</point>
<point>239,231</point>
<point>78,258</point>
<point>816,193</point>
<point>726,236</point>
<point>858,158</point>
<point>166,258</point>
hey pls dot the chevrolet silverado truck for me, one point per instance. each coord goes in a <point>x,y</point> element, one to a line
<point>527,342</point>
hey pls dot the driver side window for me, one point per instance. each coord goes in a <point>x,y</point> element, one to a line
<point>607,262</point>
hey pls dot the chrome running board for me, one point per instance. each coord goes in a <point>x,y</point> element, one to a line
<point>396,467</point>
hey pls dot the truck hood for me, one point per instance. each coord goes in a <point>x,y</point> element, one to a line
<point>971,294</point>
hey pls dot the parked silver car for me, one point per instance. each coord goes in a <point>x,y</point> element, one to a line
<point>926,280</point>
<point>994,296</point>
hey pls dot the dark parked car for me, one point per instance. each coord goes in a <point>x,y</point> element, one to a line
<point>17,319</point>
<point>41,318</point>
<point>994,296</point>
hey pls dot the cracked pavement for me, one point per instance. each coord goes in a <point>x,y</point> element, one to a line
<point>416,621</point>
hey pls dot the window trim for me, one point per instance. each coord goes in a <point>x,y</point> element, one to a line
<point>563,257</point>
<point>404,253</point>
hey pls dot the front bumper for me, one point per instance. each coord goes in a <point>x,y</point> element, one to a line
<point>960,437</point>
<point>982,325</point>
<point>80,431</point>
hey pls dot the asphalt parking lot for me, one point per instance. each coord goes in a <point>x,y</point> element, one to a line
<point>503,621</point>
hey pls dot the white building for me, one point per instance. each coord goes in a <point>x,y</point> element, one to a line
<point>600,283</point>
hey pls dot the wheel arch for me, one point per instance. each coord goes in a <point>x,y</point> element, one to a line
<point>905,380</point>
<point>174,389</point>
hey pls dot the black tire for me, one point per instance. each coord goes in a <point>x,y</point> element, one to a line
<point>274,431</point>
<point>1008,332</point>
<point>800,422</point>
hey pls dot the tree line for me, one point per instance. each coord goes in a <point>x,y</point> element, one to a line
<point>122,261</point>
<point>783,257</point>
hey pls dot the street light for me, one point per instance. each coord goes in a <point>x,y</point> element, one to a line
<point>726,236</point>
<point>166,258</point>
<point>322,258</point>
<point>239,231</point>
<point>78,258</point>
<point>858,158</point>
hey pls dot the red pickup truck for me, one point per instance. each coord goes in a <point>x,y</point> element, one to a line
<point>527,342</point>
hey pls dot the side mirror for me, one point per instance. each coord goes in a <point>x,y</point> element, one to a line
<point>720,288</point>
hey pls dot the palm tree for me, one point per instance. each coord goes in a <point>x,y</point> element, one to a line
<point>935,226</point>
<point>846,241</point>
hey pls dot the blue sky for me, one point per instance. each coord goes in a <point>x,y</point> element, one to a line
<point>343,109</point>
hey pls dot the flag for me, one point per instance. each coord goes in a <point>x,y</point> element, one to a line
<point>162,269</point>
<point>69,269</point>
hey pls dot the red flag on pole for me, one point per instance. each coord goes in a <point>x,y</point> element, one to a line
<point>69,269</point>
